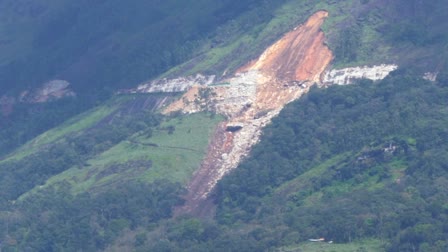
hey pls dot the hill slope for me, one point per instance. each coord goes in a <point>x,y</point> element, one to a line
<point>127,43</point>
<point>361,165</point>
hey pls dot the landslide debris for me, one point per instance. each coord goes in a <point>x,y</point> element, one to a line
<point>300,55</point>
<point>250,99</point>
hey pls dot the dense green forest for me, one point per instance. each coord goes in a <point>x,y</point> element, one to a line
<point>130,42</point>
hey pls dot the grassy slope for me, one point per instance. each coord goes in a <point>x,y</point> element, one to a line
<point>176,157</point>
<point>174,150</point>
<point>73,125</point>
<point>364,246</point>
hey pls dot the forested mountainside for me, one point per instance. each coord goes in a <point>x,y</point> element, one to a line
<point>106,44</point>
<point>223,126</point>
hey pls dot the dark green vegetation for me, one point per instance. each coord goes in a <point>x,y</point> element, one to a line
<point>27,121</point>
<point>106,44</point>
<point>364,166</point>
<point>56,220</point>
<point>410,33</point>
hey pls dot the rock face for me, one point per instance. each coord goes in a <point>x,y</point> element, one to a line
<point>347,75</point>
<point>180,84</point>
<point>431,76</point>
<point>52,90</point>
<point>250,99</point>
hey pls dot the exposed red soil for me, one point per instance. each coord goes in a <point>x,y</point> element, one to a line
<point>196,200</point>
<point>300,55</point>
<point>288,67</point>
<point>188,97</point>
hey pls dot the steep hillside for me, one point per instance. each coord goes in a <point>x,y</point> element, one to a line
<point>104,43</point>
<point>299,56</point>
<point>248,139</point>
<point>103,46</point>
<point>126,137</point>
<point>256,94</point>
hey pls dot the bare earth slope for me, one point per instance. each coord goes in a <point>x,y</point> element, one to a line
<point>300,55</point>
<point>250,99</point>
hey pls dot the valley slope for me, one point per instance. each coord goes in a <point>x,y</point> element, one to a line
<point>253,142</point>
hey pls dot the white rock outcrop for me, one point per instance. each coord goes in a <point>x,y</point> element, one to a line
<point>347,75</point>
<point>431,76</point>
<point>180,84</point>
<point>52,90</point>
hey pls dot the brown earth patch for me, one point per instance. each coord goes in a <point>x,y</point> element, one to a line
<point>257,93</point>
<point>187,99</point>
<point>300,55</point>
<point>196,198</point>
